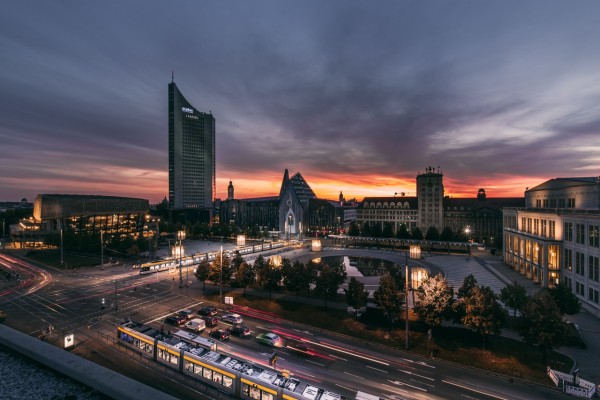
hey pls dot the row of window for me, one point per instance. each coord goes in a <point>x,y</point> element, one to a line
<point>593,234</point>
<point>555,203</point>
<point>593,265</point>
<point>540,227</point>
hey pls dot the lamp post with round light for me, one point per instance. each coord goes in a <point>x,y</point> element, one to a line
<point>180,237</point>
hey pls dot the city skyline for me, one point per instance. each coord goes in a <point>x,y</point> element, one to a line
<point>358,98</point>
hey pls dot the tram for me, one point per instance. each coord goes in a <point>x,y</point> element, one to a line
<point>230,374</point>
<point>171,263</point>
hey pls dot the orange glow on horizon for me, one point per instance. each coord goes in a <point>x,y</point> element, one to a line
<point>359,187</point>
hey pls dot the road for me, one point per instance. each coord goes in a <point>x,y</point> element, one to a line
<point>71,301</point>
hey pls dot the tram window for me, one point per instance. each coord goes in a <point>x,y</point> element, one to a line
<point>227,381</point>
<point>207,373</point>
<point>218,378</point>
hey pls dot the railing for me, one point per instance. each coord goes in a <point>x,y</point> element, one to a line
<point>571,384</point>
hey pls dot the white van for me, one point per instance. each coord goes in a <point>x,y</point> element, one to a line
<point>196,325</point>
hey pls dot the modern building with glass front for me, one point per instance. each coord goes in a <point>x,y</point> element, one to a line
<point>192,181</point>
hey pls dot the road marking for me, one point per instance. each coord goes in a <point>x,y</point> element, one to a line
<point>412,373</point>
<point>377,369</point>
<point>473,390</point>
<point>356,376</point>
<point>406,384</point>
<point>322,365</point>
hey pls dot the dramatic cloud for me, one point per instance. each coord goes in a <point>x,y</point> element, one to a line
<point>357,96</point>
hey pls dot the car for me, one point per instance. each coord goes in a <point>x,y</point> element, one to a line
<point>207,311</point>
<point>270,339</point>
<point>187,314</point>
<point>176,320</point>
<point>219,334</point>
<point>240,330</point>
<point>211,321</point>
<point>232,318</point>
<point>300,348</point>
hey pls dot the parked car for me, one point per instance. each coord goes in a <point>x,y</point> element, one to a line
<point>232,318</point>
<point>207,311</point>
<point>219,334</point>
<point>176,320</point>
<point>211,321</point>
<point>187,314</point>
<point>270,339</point>
<point>240,330</point>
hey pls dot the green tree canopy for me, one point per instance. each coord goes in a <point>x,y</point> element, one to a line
<point>435,298</point>
<point>329,280</point>
<point>388,230</point>
<point>202,272</point>
<point>356,295</point>
<point>514,296</point>
<point>245,275</point>
<point>366,230</point>
<point>389,298</point>
<point>417,234</point>
<point>483,312</point>
<point>565,299</point>
<point>353,230</point>
<point>542,323</point>
<point>403,232</point>
<point>447,234</point>
<point>432,233</point>
<point>297,277</point>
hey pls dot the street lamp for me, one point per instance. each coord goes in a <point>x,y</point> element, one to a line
<point>180,236</point>
<point>415,253</point>
<point>101,249</point>
<point>221,278</point>
<point>62,258</point>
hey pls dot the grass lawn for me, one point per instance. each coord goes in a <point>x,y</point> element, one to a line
<point>501,355</point>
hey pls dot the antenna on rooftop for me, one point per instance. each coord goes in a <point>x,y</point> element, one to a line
<point>172,75</point>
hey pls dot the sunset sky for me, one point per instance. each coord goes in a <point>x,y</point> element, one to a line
<point>359,96</point>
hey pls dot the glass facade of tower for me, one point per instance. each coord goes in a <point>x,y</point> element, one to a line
<point>191,154</point>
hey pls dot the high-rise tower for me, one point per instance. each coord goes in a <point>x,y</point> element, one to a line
<point>430,194</point>
<point>191,154</point>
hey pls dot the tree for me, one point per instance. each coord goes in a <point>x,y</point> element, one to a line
<point>297,277</point>
<point>268,275</point>
<point>432,233</point>
<point>388,298</point>
<point>434,302</point>
<point>417,234</point>
<point>218,270</point>
<point>514,296</point>
<point>329,280</point>
<point>376,230</point>
<point>245,275</point>
<point>353,230</point>
<point>542,323</point>
<point>464,291</point>
<point>202,272</point>
<point>366,230</point>
<point>403,232</point>
<point>356,295</point>
<point>447,235</point>
<point>565,299</point>
<point>388,230</point>
<point>483,312</point>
